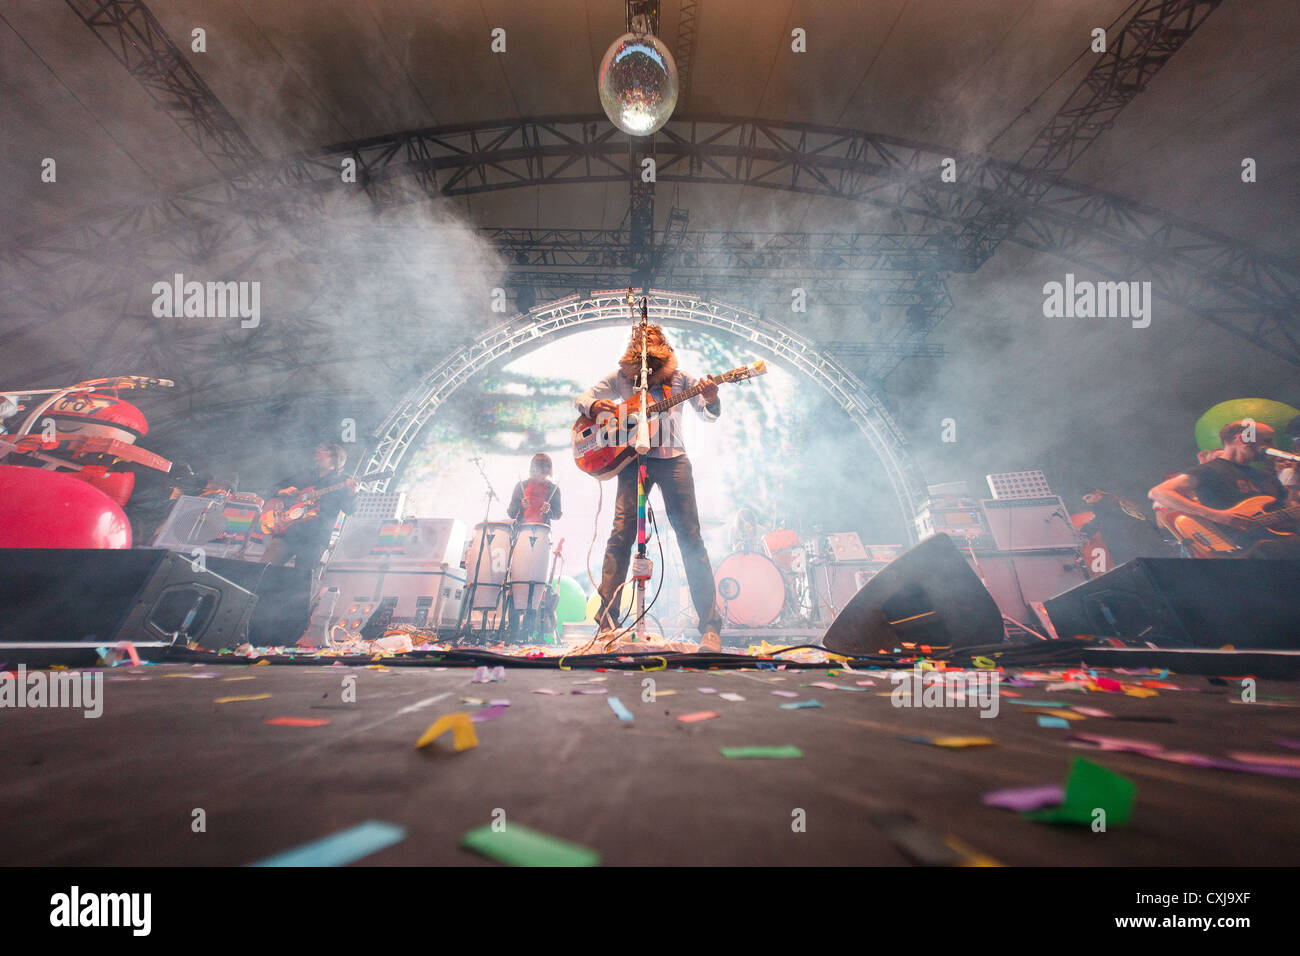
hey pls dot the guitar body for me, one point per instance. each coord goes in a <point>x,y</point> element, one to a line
<point>1205,539</point>
<point>280,514</point>
<point>602,447</point>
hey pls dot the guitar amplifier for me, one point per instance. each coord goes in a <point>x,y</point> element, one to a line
<point>408,544</point>
<point>372,598</point>
<point>218,525</point>
<point>1030,524</point>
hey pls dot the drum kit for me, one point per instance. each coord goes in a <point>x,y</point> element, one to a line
<point>765,581</point>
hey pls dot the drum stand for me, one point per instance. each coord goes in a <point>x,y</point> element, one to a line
<point>464,629</point>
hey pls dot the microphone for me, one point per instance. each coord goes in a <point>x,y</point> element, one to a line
<point>1284,455</point>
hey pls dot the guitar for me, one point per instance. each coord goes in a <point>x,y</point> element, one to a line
<point>283,512</point>
<point>1206,539</point>
<point>602,446</point>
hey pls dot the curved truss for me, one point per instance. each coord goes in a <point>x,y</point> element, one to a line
<point>864,408</point>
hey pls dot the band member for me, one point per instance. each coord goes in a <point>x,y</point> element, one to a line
<point>1211,489</point>
<point>1288,472</point>
<point>306,539</point>
<point>537,500</point>
<point>1124,529</point>
<point>666,466</point>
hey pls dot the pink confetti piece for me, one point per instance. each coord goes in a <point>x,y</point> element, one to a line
<point>707,690</point>
<point>785,693</point>
<point>694,718</point>
<point>296,722</point>
<point>547,691</point>
<point>1119,744</point>
<point>865,683</point>
<point>1276,760</point>
<point>1026,798</point>
<point>1093,711</point>
<point>490,713</point>
<point>825,685</point>
<point>498,703</point>
<point>593,690</point>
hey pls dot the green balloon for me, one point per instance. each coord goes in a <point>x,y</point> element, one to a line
<point>1261,410</point>
<point>572,603</point>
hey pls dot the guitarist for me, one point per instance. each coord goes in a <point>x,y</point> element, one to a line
<point>306,539</point>
<point>1210,490</point>
<point>666,466</point>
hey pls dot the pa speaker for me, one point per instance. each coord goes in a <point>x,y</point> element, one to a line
<point>929,595</point>
<point>283,611</point>
<point>1178,602</point>
<point>86,597</point>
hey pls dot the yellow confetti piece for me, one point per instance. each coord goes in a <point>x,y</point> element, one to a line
<point>376,667</point>
<point>224,680</point>
<point>471,700</point>
<point>962,741</point>
<point>262,663</point>
<point>665,693</point>
<point>561,666</point>
<point>233,700</point>
<point>461,727</point>
<point>58,667</point>
<point>1141,692</point>
<point>663,664</point>
<point>984,664</point>
<point>928,666</point>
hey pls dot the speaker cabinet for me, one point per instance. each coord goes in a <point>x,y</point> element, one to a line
<point>88,597</point>
<point>283,610</point>
<point>929,595</point>
<point>1179,602</point>
<point>1017,581</point>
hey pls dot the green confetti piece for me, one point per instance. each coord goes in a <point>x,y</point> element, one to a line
<point>773,752</point>
<point>1088,788</point>
<point>1047,721</point>
<point>519,846</point>
<point>1039,703</point>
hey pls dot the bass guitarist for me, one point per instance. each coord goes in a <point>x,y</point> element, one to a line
<point>1212,489</point>
<point>305,540</point>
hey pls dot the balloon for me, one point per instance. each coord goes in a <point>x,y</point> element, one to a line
<point>46,509</point>
<point>625,599</point>
<point>571,605</point>
<point>1262,410</point>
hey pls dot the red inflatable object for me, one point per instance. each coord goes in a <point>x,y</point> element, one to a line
<point>94,414</point>
<point>46,509</point>
<point>118,485</point>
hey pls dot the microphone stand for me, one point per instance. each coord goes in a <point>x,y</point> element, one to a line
<point>467,612</point>
<point>642,569</point>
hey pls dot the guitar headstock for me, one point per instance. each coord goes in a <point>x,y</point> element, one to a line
<point>745,372</point>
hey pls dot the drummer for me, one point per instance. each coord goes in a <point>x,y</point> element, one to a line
<point>537,500</point>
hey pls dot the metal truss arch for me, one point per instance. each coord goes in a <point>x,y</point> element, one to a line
<point>394,438</point>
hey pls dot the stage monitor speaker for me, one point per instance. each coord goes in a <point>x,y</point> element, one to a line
<point>1178,602</point>
<point>83,597</point>
<point>928,596</point>
<point>283,611</point>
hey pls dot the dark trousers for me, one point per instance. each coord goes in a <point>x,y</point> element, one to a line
<point>675,481</point>
<point>304,542</point>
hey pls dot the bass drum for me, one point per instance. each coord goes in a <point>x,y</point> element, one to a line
<point>492,566</point>
<point>750,590</point>
<point>528,566</point>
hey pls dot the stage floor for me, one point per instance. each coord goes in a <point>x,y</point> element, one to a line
<point>124,788</point>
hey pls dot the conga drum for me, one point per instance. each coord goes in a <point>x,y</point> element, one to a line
<point>528,565</point>
<point>750,589</point>
<point>492,542</point>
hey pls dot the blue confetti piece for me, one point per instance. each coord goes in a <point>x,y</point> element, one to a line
<point>341,848</point>
<point>1046,721</point>
<point>617,707</point>
<point>800,705</point>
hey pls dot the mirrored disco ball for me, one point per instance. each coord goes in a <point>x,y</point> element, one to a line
<point>638,84</point>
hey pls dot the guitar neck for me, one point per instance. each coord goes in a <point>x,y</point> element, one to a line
<point>677,398</point>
